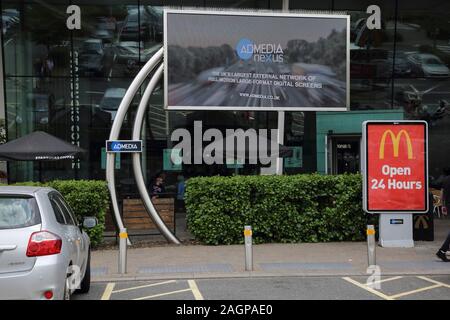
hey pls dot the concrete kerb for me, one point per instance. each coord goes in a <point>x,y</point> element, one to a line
<point>254,274</point>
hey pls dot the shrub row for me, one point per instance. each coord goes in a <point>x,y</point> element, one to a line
<point>296,208</point>
<point>86,198</point>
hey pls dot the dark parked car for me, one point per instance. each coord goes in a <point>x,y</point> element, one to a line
<point>94,58</point>
<point>42,105</point>
<point>105,35</point>
<point>428,66</point>
<point>147,26</point>
<point>106,23</point>
<point>402,67</point>
<point>10,20</point>
<point>125,51</point>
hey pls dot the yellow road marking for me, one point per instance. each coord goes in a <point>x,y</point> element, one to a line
<point>195,291</point>
<point>162,294</point>
<point>395,296</point>
<point>144,286</point>
<point>385,280</point>
<point>363,286</point>
<point>108,291</point>
<point>434,281</point>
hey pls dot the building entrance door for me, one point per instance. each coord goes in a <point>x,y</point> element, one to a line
<point>344,152</point>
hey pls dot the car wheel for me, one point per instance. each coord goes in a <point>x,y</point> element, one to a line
<point>86,282</point>
<point>419,74</point>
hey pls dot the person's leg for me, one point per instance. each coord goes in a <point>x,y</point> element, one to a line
<point>445,247</point>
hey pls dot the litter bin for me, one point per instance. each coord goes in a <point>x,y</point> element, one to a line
<point>423,224</point>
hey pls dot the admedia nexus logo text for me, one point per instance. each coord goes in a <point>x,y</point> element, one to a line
<point>262,52</point>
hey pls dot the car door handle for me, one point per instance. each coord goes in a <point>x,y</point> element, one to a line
<point>7,247</point>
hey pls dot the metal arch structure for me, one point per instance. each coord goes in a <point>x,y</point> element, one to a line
<point>150,66</point>
<point>137,159</point>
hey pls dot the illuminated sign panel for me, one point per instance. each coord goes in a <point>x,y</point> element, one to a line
<point>395,167</point>
<point>123,146</point>
<point>219,60</point>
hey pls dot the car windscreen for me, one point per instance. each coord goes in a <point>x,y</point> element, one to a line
<point>432,61</point>
<point>127,50</point>
<point>18,212</point>
<point>133,18</point>
<point>41,103</point>
<point>110,103</point>
<point>92,47</point>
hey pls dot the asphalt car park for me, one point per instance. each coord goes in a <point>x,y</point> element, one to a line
<point>436,287</point>
<point>143,290</point>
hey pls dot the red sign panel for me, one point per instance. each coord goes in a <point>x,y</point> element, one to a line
<point>395,167</point>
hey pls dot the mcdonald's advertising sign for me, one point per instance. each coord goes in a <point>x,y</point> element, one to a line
<point>395,166</point>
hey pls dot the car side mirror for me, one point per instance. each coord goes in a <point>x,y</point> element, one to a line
<point>89,222</point>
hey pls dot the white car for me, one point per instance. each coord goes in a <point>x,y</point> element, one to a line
<point>44,251</point>
<point>427,65</point>
<point>111,100</point>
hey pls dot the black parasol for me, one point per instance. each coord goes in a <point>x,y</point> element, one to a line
<point>39,146</point>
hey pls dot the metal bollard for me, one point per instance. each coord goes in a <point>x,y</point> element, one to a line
<point>371,256</point>
<point>123,237</point>
<point>248,248</point>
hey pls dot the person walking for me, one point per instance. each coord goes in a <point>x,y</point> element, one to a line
<point>445,196</point>
<point>445,247</point>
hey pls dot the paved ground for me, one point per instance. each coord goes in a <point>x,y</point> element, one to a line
<point>281,271</point>
<point>309,259</point>
<point>168,262</point>
<point>274,288</point>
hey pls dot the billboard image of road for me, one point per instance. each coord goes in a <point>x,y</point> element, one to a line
<point>240,61</point>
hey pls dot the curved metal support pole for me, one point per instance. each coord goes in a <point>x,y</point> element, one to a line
<point>117,125</point>
<point>137,159</point>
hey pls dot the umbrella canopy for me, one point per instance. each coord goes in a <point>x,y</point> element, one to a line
<point>38,146</point>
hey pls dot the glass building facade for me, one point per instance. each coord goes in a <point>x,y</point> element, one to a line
<point>69,83</point>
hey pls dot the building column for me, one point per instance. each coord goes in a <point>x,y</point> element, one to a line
<point>3,164</point>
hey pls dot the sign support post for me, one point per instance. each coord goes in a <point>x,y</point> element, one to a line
<point>123,146</point>
<point>280,141</point>
<point>281,118</point>
<point>396,230</point>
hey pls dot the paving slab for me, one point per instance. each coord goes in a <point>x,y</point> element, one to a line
<point>308,259</point>
<point>164,261</point>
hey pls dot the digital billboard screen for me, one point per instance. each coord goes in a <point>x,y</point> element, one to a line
<point>395,167</point>
<point>216,60</point>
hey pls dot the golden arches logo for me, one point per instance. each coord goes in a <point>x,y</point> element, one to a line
<point>396,143</point>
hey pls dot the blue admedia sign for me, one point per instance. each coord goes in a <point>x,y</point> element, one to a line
<point>121,146</point>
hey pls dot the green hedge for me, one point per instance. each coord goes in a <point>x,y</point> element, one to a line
<point>86,198</point>
<point>296,208</point>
